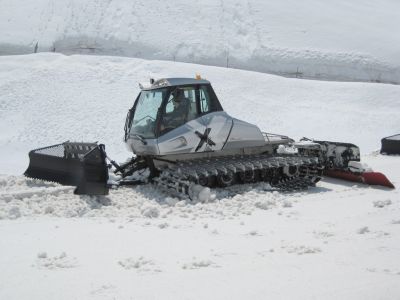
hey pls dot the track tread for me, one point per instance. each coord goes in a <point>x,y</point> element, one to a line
<point>181,175</point>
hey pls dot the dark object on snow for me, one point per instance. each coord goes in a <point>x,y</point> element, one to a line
<point>77,164</point>
<point>391,144</point>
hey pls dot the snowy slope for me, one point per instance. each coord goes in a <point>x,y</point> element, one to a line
<point>335,241</point>
<point>343,40</point>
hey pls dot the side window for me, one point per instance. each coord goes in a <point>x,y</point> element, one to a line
<point>170,106</point>
<point>208,100</point>
<point>205,105</point>
<point>180,108</point>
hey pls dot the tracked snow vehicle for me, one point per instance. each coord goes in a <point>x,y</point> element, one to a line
<point>178,130</point>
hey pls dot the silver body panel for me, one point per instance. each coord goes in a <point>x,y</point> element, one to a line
<point>231,137</point>
<point>220,124</point>
<point>243,135</point>
<point>136,146</point>
<point>182,139</point>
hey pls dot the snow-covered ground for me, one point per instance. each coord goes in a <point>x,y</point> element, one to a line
<point>338,240</point>
<point>343,40</point>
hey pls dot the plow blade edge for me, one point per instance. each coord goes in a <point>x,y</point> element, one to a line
<point>371,178</point>
<point>77,164</point>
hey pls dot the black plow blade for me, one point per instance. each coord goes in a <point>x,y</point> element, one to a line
<point>77,164</point>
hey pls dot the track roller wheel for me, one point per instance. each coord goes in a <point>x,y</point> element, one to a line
<point>203,180</point>
<point>291,170</point>
<point>247,176</point>
<point>225,180</point>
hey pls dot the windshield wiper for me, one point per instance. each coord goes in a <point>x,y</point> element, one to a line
<point>140,138</point>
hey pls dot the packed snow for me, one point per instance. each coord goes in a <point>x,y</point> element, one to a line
<point>337,40</point>
<point>330,242</point>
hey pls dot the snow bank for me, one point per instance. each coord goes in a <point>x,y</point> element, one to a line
<point>145,203</point>
<point>331,40</point>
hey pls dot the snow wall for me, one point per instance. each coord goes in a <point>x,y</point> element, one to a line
<point>335,40</point>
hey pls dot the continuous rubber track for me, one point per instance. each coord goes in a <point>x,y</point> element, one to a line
<point>285,172</point>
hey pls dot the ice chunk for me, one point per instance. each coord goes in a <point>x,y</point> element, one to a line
<point>14,212</point>
<point>199,193</point>
<point>150,211</point>
<point>284,149</point>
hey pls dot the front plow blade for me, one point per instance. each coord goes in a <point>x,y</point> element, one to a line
<point>77,164</point>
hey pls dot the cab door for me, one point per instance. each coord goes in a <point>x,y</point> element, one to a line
<point>183,137</point>
<point>217,123</point>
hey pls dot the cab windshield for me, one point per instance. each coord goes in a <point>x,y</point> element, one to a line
<point>144,119</point>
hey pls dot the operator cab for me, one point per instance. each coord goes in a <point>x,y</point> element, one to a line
<point>168,104</point>
<point>181,116</point>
